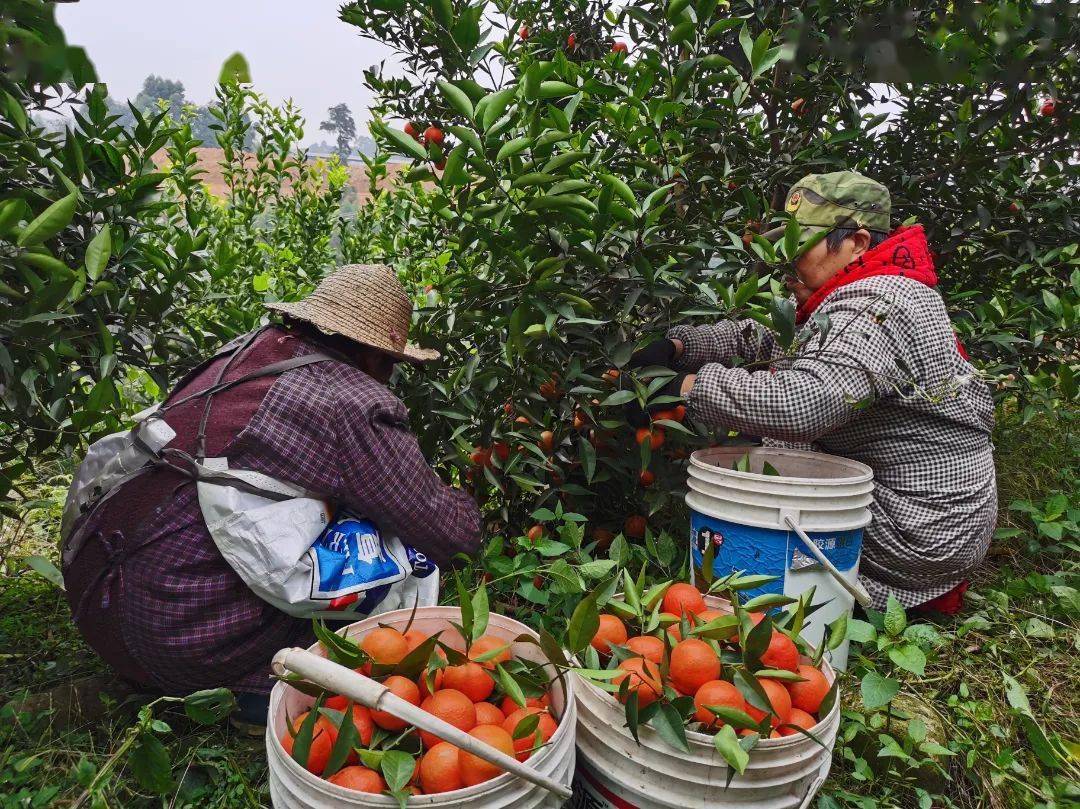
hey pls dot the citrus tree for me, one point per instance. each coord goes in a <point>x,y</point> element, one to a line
<point>588,174</point>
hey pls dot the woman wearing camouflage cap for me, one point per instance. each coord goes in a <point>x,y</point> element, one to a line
<point>888,385</point>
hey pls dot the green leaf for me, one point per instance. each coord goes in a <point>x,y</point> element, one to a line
<point>46,569</point>
<point>454,173</point>
<point>235,70</point>
<point>747,44</point>
<point>782,317</point>
<point>861,631</point>
<point>209,706</point>
<point>618,397</point>
<point>877,691</point>
<point>668,722</point>
<point>555,89</point>
<point>583,623</point>
<point>727,745</point>
<point>494,105</point>
<point>457,98</point>
<point>838,630</point>
<point>733,716</point>
<point>480,612</point>
<point>150,764</point>
<point>909,657</point>
<point>397,768</point>
<point>619,186</point>
<point>98,252</point>
<point>509,685</point>
<point>895,618</point>
<point>49,222</point>
<point>348,737</point>
<point>526,727</point>
<point>513,147</point>
<point>403,143</point>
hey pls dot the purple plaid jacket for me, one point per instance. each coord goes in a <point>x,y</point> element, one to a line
<point>150,591</point>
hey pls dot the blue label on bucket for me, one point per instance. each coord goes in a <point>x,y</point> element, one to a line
<point>767,551</point>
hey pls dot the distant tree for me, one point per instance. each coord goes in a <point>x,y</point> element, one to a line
<point>156,89</point>
<point>340,123</point>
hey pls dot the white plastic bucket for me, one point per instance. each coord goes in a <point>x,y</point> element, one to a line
<point>744,515</point>
<point>615,772</point>
<point>293,787</point>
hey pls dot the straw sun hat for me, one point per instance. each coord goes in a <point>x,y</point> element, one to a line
<point>365,303</point>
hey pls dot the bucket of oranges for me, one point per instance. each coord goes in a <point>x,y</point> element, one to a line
<point>729,706</point>
<point>401,710</point>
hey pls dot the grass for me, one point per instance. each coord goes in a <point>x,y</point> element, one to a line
<point>1015,645</point>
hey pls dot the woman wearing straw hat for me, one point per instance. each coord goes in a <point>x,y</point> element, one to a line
<point>186,579</point>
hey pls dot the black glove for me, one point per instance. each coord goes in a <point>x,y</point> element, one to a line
<point>658,352</point>
<point>638,416</point>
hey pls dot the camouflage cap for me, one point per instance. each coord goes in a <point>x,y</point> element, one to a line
<point>837,199</point>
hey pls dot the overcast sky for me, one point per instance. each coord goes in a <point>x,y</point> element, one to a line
<point>296,50</point>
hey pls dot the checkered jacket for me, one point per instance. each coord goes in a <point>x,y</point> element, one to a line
<point>884,385</point>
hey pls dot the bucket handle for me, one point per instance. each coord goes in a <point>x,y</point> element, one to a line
<point>375,695</point>
<point>858,592</point>
<point>818,783</point>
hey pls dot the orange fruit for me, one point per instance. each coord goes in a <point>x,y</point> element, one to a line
<point>385,645</point>
<point>471,679</point>
<point>779,699</point>
<point>646,478</point>
<point>547,441</point>
<point>707,615</point>
<point>360,779</point>
<point>535,534</point>
<point>674,628</point>
<point>716,692</point>
<point>634,526</point>
<point>648,646</point>
<point>693,663</point>
<point>781,654</point>
<point>799,718</point>
<point>404,688</point>
<point>488,714</point>
<point>486,644</point>
<point>422,682</point>
<point>474,770</point>
<point>450,706</point>
<point>440,769</point>
<point>682,597</point>
<point>322,742</point>
<point>644,679</point>
<point>654,435</point>
<point>413,638</point>
<point>546,726</point>
<point>363,721</point>
<point>509,706</point>
<point>336,703</point>
<point>807,696</point>
<point>611,630</point>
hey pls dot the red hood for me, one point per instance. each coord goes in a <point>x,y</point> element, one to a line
<point>905,253</point>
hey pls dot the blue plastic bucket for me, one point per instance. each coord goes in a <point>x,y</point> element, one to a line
<point>742,515</point>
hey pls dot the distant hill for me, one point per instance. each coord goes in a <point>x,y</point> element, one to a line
<point>209,163</point>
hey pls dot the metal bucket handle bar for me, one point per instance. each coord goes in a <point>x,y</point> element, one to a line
<point>858,592</point>
<point>375,695</point>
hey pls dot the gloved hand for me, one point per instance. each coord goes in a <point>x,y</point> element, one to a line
<point>639,416</point>
<point>658,352</point>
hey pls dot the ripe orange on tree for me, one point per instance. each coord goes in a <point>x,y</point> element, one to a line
<point>547,441</point>
<point>693,663</point>
<point>781,654</point>
<point>682,597</point>
<point>359,779</point>
<point>546,726</point>
<point>536,533</point>
<point>611,630</point>
<point>779,699</point>
<point>571,42</point>
<point>648,646</point>
<point>619,47</point>
<point>634,526</point>
<point>1048,107</point>
<point>807,695</point>
<point>486,644</point>
<point>433,135</point>
<point>799,718</point>
<point>654,435</point>
<point>451,706</point>
<point>323,737</point>
<point>798,106</point>
<point>474,770</point>
<point>644,678</point>
<point>439,769</point>
<point>471,679</point>
<point>524,32</point>
<point>411,130</point>
<point>716,692</point>
<point>488,714</point>
<point>603,538</point>
<point>646,478</point>
<point>611,375</point>
<point>385,645</point>
<point>402,687</point>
